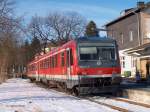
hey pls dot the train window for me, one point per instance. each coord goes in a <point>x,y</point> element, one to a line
<point>62,59</point>
<point>88,50</point>
<point>108,53</point>
<point>33,67</point>
<point>56,60</point>
<point>53,62</point>
<point>50,62</point>
<point>71,57</point>
<point>97,53</point>
<point>46,63</point>
<point>68,58</point>
<point>88,53</point>
<point>40,65</point>
<point>30,68</point>
<point>43,64</point>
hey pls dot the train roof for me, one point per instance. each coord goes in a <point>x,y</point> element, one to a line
<point>95,39</point>
<point>78,40</point>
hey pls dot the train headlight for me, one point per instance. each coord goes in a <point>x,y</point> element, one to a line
<point>99,63</point>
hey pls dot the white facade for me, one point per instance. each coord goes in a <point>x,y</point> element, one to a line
<point>128,63</point>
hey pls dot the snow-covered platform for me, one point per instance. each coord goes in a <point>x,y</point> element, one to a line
<point>18,95</point>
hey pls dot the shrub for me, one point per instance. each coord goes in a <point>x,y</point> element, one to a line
<point>127,73</point>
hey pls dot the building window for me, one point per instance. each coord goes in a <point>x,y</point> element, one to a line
<point>147,27</point>
<point>121,35</point>
<point>133,61</point>
<point>114,34</point>
<point>122,60</point>
<point>111,34</point>
<point>131,35</point>
<point>123,64</point>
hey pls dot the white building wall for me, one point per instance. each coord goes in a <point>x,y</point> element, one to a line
<point>127,63</point>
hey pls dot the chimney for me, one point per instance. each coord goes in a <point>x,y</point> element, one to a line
<point>140,4</point>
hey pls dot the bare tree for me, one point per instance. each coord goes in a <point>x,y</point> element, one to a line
<point>65,26</point>
<point>38,29</point>
<point>9,33</point>
<point>57,27</point>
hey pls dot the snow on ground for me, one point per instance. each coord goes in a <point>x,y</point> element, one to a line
<point>125,105</point>
<point>18,95</point>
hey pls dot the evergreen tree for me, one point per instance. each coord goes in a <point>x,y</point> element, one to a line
<point>35,47</point>
<point>26,50</point>
<point>91,29</point>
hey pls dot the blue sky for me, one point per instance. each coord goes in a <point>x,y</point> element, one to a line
<point>101,11</point>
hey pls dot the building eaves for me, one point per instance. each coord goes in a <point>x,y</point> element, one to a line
<point>135,10</point>
<point>138,48</point>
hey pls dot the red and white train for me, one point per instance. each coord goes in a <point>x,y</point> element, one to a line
<point>80,63</point>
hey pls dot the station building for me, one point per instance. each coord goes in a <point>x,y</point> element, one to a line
<point>132,32</point>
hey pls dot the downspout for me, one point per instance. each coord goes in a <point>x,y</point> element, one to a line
<point>138,23</point>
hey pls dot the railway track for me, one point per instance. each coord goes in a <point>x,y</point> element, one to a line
<point>132,102</point>
<point>108,105</point>
<point>101,100</point>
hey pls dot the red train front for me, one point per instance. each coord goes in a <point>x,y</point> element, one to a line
<point>79,64</point>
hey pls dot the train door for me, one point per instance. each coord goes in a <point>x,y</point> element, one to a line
<point>68,63</point>
<point>36,72</point>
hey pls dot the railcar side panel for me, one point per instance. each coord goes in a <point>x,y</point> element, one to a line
<point>65,63</point>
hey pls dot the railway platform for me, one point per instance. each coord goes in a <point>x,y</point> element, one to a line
<point>139,92</point>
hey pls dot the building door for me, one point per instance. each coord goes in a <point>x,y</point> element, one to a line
<point>143,67</point>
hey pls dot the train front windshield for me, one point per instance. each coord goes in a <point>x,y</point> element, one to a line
<point>97,56</point>
<point>97,53</point>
